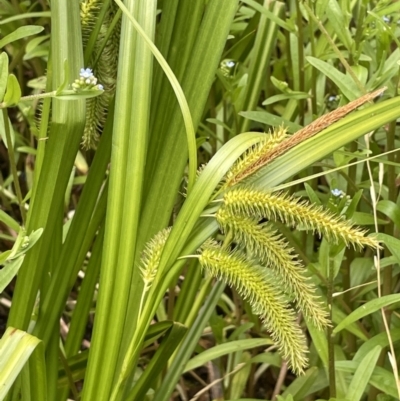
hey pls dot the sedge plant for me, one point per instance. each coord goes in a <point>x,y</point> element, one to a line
<point>158,64</point>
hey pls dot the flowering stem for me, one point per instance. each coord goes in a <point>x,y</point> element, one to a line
<point>3,105</point>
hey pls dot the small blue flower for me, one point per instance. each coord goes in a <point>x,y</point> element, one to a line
<point>86,73</point>
<point>337,192</point>
<point>86,81</point>
<point>386,19</point>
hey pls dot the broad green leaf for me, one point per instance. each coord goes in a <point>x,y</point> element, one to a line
<point>367,309</point>
<point>339,316</point>
<point>180,96</point>
<point>22,244</point>
<point>380,339</point>
<point>246,399</point>
<point>381,378</point>
<point>25,242</point>
<point>389,69</point>
<point>158,363</point>
<point>361,73</point>
<point>77,366</point>
<point>265,42</point>
<point>27,149</point>
<point>9,271</point>
<point>335,399</point>
<point>13,93</point>
<point>362,374</point>
<point>365,219</point>
<point>39,51</point>
<point>299,388</point>
<point>393,244</point>
<point>240,330</point>
<point>16,347</point>
<point>287,398</point>
<point>21,33</point>
<point>270,119</point>
<point>339,23</point>
<point>4,256</point>
<point>320,342</point>
<point>312,195</point>
<point>156,330</point>
<point>9,221</point>
<point>391,210</point>
<point>220,123</point>
<point>240,374</point>
<point>269,14</point>
<point>39,14</point>
<point>225,349</point>
<point>286,96</point>
<point>345,83</point>
<point>268,358</point>
<point>3,132</point>
<point>351,209</point>
<point>3,74</point>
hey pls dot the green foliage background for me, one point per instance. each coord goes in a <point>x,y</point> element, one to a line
<point>89,175</point>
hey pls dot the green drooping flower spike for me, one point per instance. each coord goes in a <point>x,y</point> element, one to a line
<point>271,249</point>
<point>263,268</point>
<point>254,285</point>
<point>295,212</point>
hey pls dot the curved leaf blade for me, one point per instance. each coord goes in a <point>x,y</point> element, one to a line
<point>367,309</point>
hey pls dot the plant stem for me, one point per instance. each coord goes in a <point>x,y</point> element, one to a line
<point>313,71</point>
<point>3,105</point>
<point>350,254</point>
<point>331,349</point>
<point>13,166</point>
<point>281,379</point>
<point>300,49</point>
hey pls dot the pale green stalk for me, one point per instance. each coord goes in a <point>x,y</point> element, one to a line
<point>126,180</point>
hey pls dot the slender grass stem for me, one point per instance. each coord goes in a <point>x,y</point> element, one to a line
<point>350,253</point>
<point>300,49</point>
<point>331,345</point>
<point>13,167</point>
<point>313,71</point>
<point>95,31</point>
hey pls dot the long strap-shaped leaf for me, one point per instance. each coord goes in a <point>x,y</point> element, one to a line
<point>65,134</point>
<point>327,141</point>
<point>190,134</point>
<point>16,347</point>
<point>128,159</point>
<point>189,215</point>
